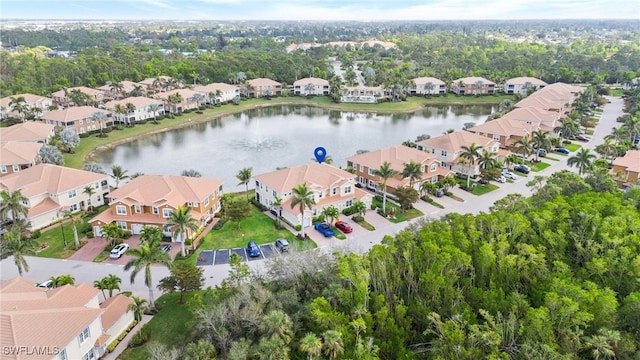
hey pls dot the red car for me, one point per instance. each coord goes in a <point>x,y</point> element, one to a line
<point>344,227</point>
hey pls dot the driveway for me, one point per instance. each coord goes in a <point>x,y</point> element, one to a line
<point>95,246</point>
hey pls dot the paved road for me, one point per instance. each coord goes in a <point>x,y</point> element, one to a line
<point>43,268</point>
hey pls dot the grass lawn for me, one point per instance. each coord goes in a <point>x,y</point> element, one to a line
<point>481,189</point>
<point>572,147</point>
<point>616,92</point>
<point>338,234</point>
<point>540,166</point>
<point>456,198</point>
<point>366,225</point>
<point>434,203</point>
<point>552,158</point>
<point>53,237</point>
<point>171,326</point>
<point>400,215</point>
<point>257,227</point>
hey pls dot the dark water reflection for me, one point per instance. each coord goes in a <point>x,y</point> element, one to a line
<point>280,136</point>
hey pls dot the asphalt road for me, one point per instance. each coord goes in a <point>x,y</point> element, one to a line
<point>43,268</point>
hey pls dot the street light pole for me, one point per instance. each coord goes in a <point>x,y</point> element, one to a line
<point>64,240</point>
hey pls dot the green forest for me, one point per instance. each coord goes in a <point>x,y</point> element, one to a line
<point>554,276</point>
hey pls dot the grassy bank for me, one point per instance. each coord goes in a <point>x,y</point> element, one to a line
<point>84,152</point>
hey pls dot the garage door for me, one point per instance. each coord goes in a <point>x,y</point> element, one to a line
<point>136,229</point>
<point>97,231</point>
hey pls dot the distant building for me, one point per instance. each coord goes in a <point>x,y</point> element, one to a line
<point>63,98</point>
<point>141,112</point>
<point>473,86</point>
<point>311,86</point>
<point>34,103</point>
<point>16,156</point>
<point>28,131</point>
<point>428,86</point>
<point>522,85</point>
<point>78,118</point>
<point>626,169</point>
<point>262,87</point>
<point>218,93</point>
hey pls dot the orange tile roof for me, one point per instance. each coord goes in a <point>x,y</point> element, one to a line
<point>84,89</point>
<point>27,131</point>
<point>472,80</point>
<point>454,141</point>
<point>504,127</point>
<point>137,101</point>
<point>531,113</point>
<point>73,113</point>
<point>51,179</point>
<point>263,82</point>
<point>316,176</point>
<point>311,80</point>
<point>185,93</point>
<point>358,194</point>
<point>631,161</point>
<point>30,99</point>
<point>397,156</point>
<point>425,80</point>
<point>525,79</point>
<point>214,87</point>
<point>42,207</point>
<point>114,307</point>
<point>16,152</point>
<point>127,86</point>
<point>150,81</point>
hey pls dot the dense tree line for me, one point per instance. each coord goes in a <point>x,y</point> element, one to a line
<point>550,277</point>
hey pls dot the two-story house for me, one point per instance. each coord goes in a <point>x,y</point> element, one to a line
<point>505,131</point>
<point>218,93</point>
<point>448,147</point>
<point>51,190</point>
<point>473,86</point>
<point>540,119</point>
<point>262,87</point>
<point>28,131</point>
<point>365,165</point>
<point>428,86</point>
<point>626,169</point>
<point>311,86</point>
<point>16,156</point>
<point>35,104</point>
<point>150,200</point>
<point>160,83</point>
<point>142,109</point>
<point>79,118</point>
<point>522,85</point>
<point>121,89</point>
<point>64,98</point>
<point>329,185</point>
<point>179,100</point>
<point>62,323</point>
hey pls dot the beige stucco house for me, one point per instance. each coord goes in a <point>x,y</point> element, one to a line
<point>311,86</point>
<point>79,118</point>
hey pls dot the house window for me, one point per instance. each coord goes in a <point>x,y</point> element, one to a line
<point>166,213</point>
<point>361,168</point>
<point>206,201</point>
<point>443,164</point>
<point>434,166</point>
<point>121,210</point>
<point>334,191</point>
<point>274,193</point>
<point>138,209</point>
<point>349,203</point>
<point>443,153</point>
<point>99,199</point>
<point>16,168</point>
<point>347,189</point>
<point>89,355</point>
<point>155,210</point>
<point>320,194</point>
<point>80,122</point>
<point>496,137</point>
<point>122,225</point>
<point>73,207</point>
<point>72,194</point>
<point>84,335</point>
<point>3,169</point>
<point>63,355</point>
<point>372,172</point>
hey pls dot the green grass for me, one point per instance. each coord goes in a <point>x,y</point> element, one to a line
<point>171,326</point>
<point>481,189</point>
<point>338,234</point>
<point>434,203</point>
<point>589,132</point>
<point>456,198</point>
<point>366,225</point>
<point>53,237</point>
<point>101,257</point>
<point>540,166</point>
<point>572,147</point>
<point>552,158</point>
<point>616,92</point>
<point>400,215</point>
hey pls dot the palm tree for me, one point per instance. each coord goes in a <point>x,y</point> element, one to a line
<point>278,324</point>
<point>62,280</point>
<point>607,149</point>
<point>116,89</point>
<point>13,202</point>
<point>89,190</point>
<point>332,343</point>
<point>540,140</point>
<point>138,90</point>
<point>19,248</point>
<point>330,213</point>
<point>102,286</point>
<point>385,172</point>
<point>201,350</point>
<point>487,159</point>
<point>277,203</point>
<point>632,126</point>
<point>413,171</point>
<point>470,154</point>
<point>429,87</point>
<point>138,307</point>
<point>567,128</point>
<point>302,197</point>
<point>154,108</point>
<point>100,117</point>
<point>148,253</point>
<point>583,160</point>
<point>524,145</point>
<point>130,108</point>
<point>112,282</point>
<point>244,176</point>
<point>618,134</point>
<point>311,345</point>
<point>76,218</point>
<point>118,174</point>
<point>182,220</point>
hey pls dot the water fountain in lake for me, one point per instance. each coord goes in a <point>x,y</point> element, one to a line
<point>258,141</point>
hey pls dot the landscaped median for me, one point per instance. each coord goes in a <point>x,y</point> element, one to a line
<point>396,214</point>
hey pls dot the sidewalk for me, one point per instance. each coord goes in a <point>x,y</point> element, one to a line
<point>125,342</point>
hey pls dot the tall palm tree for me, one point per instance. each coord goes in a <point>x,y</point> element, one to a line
<point>607,149</point>
<point>13,202</point>
<point>100,118</point>
<point>154,108</point>
<point>311,345</point>
<point>540,140</point>
<point>567,128</point>
<point>116,89</point>
<point>632,126</point>
<point>138,307</point>
<point>182,220</point>
<point>89,190</point>
<point>332,344</point>
<point>244,176</point>
<point>19,248</point>
<point>302,197</point>
<point>470,154</point>
<point>62,280</point>
<point>385,172</point>
<point>583,160</point>
<point>130,108</point>
<point>487,159</point>
<point>138,90</point>
<point>118,174</point>
<point>102,286</point>
<point>112,282</point>
<point>524,146</point>
<point>76,218</point>
<point>277,203</point>
<point>618,134</point>
<point>147,254</point>
<point>278,324</point>
<point>413,171</point>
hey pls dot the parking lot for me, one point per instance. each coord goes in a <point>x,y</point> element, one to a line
<point>221,256</point>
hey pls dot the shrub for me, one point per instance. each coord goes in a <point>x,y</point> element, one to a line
<point>358,218</point>
<point>126,234</point>
<point>140,337</point>
<point>348,211</point>
<point>84,135</point>
<point>85,227</point>
<point>220,223</point>
<point>298,227</point>
<point>89,234</point>
<point>35,234</point>
<point>258,205</point>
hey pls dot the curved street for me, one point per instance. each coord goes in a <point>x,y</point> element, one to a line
<point>41,269</point>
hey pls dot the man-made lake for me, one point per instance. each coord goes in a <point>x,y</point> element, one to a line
<point>281,136</point>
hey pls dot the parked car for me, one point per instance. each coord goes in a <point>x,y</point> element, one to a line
<point>118,251</point>
<point>439,193</point>
<point>344,227</point>
<point>282,245</point>
<point>541,152</point>
<point>509,175</point>
<point>522,168</point>
<point>324,229</point>
<point>501,179</point>
<point>47,284</point>
<point>561,150</point>
<point>252,249</point>
<point>166,247</point>
<point>581,137</point>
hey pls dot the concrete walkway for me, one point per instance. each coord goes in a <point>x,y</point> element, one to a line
<point>125,342</point>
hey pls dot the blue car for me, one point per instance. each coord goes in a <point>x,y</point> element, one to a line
<point>252,249</point>
<point>324,229</point>
<point>561,150</point>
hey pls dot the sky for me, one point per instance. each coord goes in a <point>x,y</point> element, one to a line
<point>364,10</point>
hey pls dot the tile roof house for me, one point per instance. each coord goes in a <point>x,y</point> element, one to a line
<point>16,156</point>
<point>61,97</point>
<point>556,97</point>
<point>447,149</point>
<point>218,93</point>
<point>473,86</point>
<point>626,169</point>
<point>79,118</point>
<point>522,85</point>
<point>506,131</point>
<point>61,323</point>
<point>189,100</point>
<point>30,100</point>
<point>150,199</point>
<point>330,186</point>
<point>28,131</point>
<point>159,83</point>
<point>52,189</point>
<point>261,87</point>
<point>110,91</point>
<point>142,110</point>
<point>538,118</point>
<point>364,166</point>
<point>428,86</point>
<point>311,86</point>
